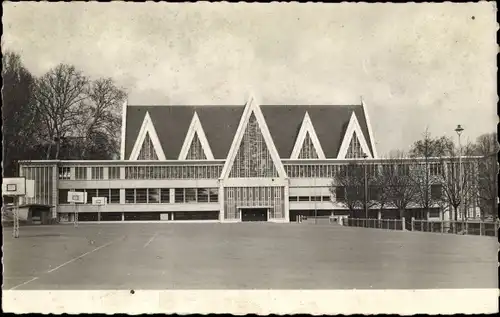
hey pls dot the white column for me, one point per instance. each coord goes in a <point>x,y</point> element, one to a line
<point>72,173</point>
<point>287,201</point>
<point>221,200</point>
<point>105,172</point>
<point>89,173</point>
<point>122,195</point>
<point>172,195</point>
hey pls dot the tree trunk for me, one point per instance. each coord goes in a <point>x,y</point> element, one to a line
<point>58,147</point>
<point>49,151</point>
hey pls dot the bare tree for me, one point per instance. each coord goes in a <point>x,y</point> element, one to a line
<point>101,120</point>
<point>399,183</point>
<point>458,182</point>
<point>58,97</point>
<point>487,179</point>
<point>350,181</point>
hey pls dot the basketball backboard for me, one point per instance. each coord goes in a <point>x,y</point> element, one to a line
<point>14,186</point>
<point>77,197</point>
<point>100,201</point>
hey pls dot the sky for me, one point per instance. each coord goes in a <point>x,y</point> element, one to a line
<point>416,66</point>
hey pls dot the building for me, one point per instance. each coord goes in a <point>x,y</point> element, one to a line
<point>221,163</point>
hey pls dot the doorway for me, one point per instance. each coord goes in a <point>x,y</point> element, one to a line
<point>253,214</point>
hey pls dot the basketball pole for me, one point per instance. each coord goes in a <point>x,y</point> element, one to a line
<point>16,217</point>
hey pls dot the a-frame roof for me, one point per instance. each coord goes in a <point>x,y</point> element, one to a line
<point>172,123</point>
<point>329,121</point>
<point>221,122</point>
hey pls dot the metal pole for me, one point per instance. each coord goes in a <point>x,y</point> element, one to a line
<point>461,205</point>
<point>16,217</point>
<point>76,214</point>
<point>98,213</point>
<point>366,192</point>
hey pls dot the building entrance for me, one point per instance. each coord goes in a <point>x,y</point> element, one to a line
<point>254,214</point>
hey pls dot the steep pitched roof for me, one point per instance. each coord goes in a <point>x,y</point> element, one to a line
<point>221,122</point>
<point>172,123</point>
<point>329,121</point>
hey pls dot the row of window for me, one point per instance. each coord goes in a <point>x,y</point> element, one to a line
<point>162,195</point>
<point>309,198</point>
<point>173,172</point>
<point>214,171</point>
<point>146,195</point>
<point>144,172</point>
<point>112,194</point>
<point>330,171</point>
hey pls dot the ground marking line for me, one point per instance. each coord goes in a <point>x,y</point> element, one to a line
<point>81,256</point>
<point>150,240</point>
<point>35,278</point>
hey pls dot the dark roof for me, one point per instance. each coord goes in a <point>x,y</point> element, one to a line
<point>172,123</point>
<point>221,122</point>
<point>330,124</point>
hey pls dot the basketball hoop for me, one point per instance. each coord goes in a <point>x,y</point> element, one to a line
<point>16,187</point>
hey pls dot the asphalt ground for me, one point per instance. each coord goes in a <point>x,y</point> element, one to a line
<point>157,256</point>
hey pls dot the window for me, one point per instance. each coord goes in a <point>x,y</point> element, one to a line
<point>103,192</point>
<point>308,151</point>
<point>64,172</point>
<point>147,151</point>
<point>141,195</point>
<point>436,169</point>
<point>202,195</point>
<point>91,193</point>
<point>165,195</point>
<point>304,198</point>
<point>374,193</point>
<point>153,195</point>
<point>179,195</point>
<point>114,196</point>
<point>340,193</point>
<point>315,198</point>
<point>97,172</point>
<point>436,191</point>
<point>80,172</point>
<point>293,198</point>
<point>326,198</point>
<point>114,172</point>
<point>129,196</point>
<point>190,195</point>
<point>214,195</point>
<point>63,196</point>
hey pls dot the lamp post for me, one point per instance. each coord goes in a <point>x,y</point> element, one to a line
<point>366,187</point>
<point>461,205</point>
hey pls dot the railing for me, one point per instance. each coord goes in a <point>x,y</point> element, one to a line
<point>479,228</point>
<point>387,224</point>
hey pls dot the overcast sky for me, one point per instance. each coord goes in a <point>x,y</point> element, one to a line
<point>416,65</point>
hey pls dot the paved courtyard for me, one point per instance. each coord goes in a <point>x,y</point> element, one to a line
<point>243,256</point>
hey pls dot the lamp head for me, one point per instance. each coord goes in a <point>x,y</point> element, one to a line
<point>459,129</point>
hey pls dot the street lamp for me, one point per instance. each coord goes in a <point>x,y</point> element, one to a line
<point>459,131</point>
<point>366,187</point>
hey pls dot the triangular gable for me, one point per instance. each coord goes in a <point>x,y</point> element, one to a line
<point>353,130</point>
<point>147,128</point>
<point>369,126</point>
<point>306,134</point>
<point>195,132</point>
<point>252,110</point>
